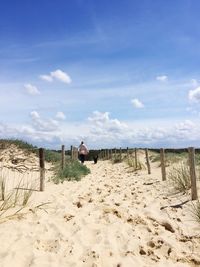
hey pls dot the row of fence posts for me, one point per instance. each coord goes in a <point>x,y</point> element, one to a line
<point>109,153</point>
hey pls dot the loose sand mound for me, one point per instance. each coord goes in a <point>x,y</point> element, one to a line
<point>111,218</point>
<point>20,167</point>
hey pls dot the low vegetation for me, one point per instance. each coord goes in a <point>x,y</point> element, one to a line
<point>179,176</point>
<point>170,157</point>
<point>52,156</point>
<point>132,163</point>
<point>13,198</point>
<point>117,159</point>
<point>73,170</point>
<point>196,211</point>
<point>4,143</point>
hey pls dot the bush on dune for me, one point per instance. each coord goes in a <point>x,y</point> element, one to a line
<point>73,170</point>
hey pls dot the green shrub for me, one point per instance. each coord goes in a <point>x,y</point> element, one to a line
<point>117,159</point>
<point>73,170</point>
<point>52,156</point>
<point>179,176</point>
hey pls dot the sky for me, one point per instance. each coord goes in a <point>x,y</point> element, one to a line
<point>111,73</point>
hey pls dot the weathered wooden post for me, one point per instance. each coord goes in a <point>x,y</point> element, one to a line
<point>115,153</point>
<point>147,161</point>
<point>162,161</point>
<point>63,157</point>
<point>42,168</point>
<point>120,153</point>
<point>71,152</point>
<point>76,153</point>
<point>191,151</point>
<point>127,152</point>
<point>136,160</point>
<point>111,156</point>
<point>102,154</point>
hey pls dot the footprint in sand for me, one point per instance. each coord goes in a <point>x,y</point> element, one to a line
<point>48,245</point>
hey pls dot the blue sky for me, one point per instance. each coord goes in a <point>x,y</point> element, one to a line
<point>110,72</point>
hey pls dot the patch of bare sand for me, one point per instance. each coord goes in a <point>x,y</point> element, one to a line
<point>111,218</point>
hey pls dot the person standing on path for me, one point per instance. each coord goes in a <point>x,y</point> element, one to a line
<point>83,151</point>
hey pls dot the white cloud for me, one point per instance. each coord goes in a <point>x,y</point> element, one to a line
<point>60,115</point>
<point>43,125</point>
<point>100,130</point>
<point>102,126</point>
<point>61,76</point>
<point>31,89</point>
<point>47,78</point>
<point>194,95</point>
<point>162,78</point>
<point>137,103</point>
<point>58,75</point>
<point>34,115</point>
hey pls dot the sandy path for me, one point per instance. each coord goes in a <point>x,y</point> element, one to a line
<point>111,218</point>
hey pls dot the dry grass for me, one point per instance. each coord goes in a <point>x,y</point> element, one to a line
<point>15,198</point>
<point>179,176</point>
<point>131,163</point>
<point>196,211</point>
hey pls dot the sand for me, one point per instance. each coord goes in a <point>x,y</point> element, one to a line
<point>111,218</point>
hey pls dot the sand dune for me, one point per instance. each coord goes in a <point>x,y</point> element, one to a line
<point>111,218</point>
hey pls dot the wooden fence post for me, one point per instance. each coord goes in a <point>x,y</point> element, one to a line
<point>115,153</point>
<point>136,161</point>
<point>42,168</point>
<point>71,152</point>
<point>120,153</point>
<point>63,157</point>
<point>107,154</point>
<point>147,161</point>
<point>162,161</point>
<point>111,156</point>
<point>192,173</point>
<point>127,151</point>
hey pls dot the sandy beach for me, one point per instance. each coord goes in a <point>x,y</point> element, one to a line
<point>113,217</point>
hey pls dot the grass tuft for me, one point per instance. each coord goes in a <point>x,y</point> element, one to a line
<point>117,159</point>
<point>73,170</point>
<point>131,163</point>
<point>196,211</point>
<point>179,176</point>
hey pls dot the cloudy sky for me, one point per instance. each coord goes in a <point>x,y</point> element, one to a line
<point>112,73</point>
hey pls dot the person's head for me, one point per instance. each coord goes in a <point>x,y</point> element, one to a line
<point>82,142</point>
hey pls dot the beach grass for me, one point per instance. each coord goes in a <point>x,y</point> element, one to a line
<point>170,157</point>
<point>196,211</point>
<point>132,163</point>
<point>73,171</point>
<point>179,177</point>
